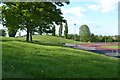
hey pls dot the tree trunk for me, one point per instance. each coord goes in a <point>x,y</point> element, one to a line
<point>40,30</point>
<point>27,37</point>
<point>30,36</point>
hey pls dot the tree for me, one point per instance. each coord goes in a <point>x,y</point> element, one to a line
<point>96,38</point>
<point>66,30</point>
<point>2,32</point>
<point>92,38</point>
<point>70,36</point>
<point>9,19</point>
<point>53,30</point>
<point>77,37</point>
<point>110,39</point>
<point>60,29</point>
<point>31,15</point>
<point>12,31</point>
<point>117,38</point>
<point>84,33</point>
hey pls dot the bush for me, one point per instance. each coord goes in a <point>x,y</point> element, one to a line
<point>2,32</point>
<point>70,36</point>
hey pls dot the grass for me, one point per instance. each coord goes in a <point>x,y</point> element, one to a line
<point>50,40</point>
<point>113,47</point>
<point>28,60</point>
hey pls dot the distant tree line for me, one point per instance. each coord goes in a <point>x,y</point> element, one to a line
<point>97,38</point>
<point>86,36</point>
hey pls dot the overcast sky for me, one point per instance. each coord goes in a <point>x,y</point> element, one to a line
<point>100,15</point>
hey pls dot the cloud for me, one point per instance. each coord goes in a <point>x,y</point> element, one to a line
<point>71,20</point>
<point>73,15</point>
<point>108,5</point>
<point>104,6</point>
<point>1,26</point>
<point>74,11</point>
<point>78,14</point>
<point>94,7</point>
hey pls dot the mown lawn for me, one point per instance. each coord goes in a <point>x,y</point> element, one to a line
<point>29,60</point>
<point>113,47</point>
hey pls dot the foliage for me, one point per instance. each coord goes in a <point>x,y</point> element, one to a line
<point>30,15</point>
<point>110,39</point>
<point>77,37</point>
<point>2,32</point>
<point>66,30</point>
<point>94,38</point>
<point>9,19</point>
<point>117,38</point>
<point>84,33</point>
<point>53,30</point>
<point>60,29</point>
<point>70,36</point>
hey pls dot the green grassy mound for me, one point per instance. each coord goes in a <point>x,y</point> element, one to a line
<point>28,60</point>
<point>50,40</point>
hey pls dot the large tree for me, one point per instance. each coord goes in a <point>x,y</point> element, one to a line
<point>84,33</point>
<point>66,30</point>
<point>30,15</point>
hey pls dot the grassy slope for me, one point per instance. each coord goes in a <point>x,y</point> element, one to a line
<point>21,59</point>
<point>49,40</point>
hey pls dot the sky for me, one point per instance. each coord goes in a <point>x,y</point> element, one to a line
<point>101,16</point>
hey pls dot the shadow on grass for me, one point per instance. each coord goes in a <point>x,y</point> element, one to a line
<point>34,42</point>
<point>10,40</point>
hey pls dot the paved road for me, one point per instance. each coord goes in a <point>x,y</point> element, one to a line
<point>107,52</point>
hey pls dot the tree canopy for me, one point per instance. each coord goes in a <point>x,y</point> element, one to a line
<point>60,29</point>
<point>2,32</point>
<point>31,15</point>
<point>84,33</point>
<point>66,30</point>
